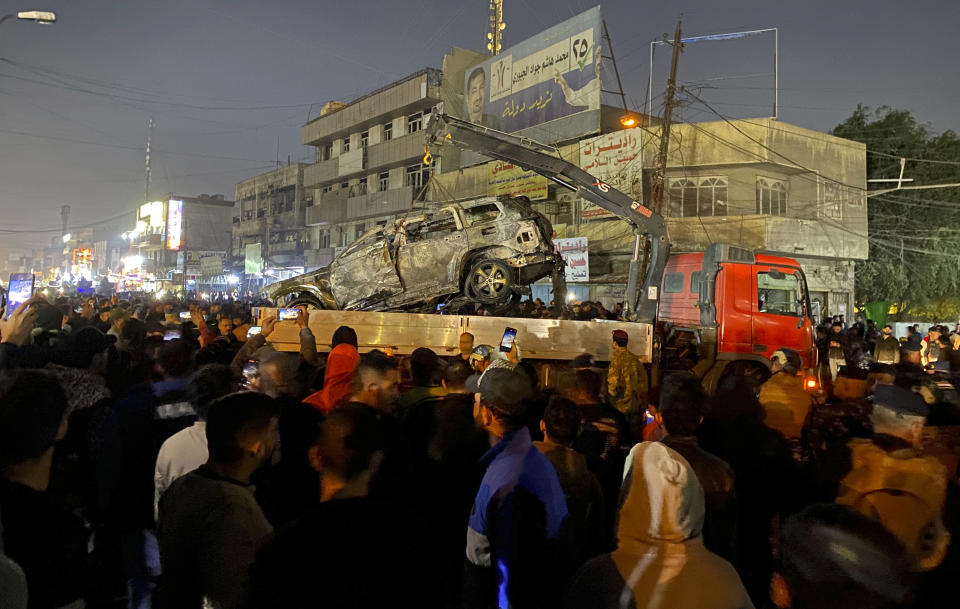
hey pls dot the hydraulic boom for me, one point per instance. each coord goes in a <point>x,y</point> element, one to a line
<point>648,226</point>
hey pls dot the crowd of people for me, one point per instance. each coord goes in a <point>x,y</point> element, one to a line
<point>158,454</point>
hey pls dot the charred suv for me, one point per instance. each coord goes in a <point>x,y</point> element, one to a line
<point>483,251</point>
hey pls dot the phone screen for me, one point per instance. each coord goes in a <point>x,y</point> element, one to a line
<point>19,291</point>
<point>506,343</point>
<point>185,316</point>
<point>253,331</point>
<point>171,335</point>
<point>288,314</point>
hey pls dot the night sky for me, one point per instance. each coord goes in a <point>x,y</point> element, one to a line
<point>224,80</point>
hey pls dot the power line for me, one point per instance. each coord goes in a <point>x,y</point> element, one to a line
<point>123,147</point>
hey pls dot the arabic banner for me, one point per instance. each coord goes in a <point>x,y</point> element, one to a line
<point>614,158</point>
<point>211,266</point>
<point>577,259</point>
<point>555,74</point>
<point>252,259</point>
<point>504,179</point>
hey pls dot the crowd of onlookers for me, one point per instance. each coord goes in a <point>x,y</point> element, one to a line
<point>158,454</point>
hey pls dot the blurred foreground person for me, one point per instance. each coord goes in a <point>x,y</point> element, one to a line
<point>891,482</point>
<point>834,558</point>
<point>210,525</point>
<point>351,550</point>
<point>660,561</point>
<point>560,426</point>
<point>47,541</point>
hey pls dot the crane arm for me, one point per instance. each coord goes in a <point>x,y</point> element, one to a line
<point>641,304</point>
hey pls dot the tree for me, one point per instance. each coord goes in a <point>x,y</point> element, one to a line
<point>914,235</point>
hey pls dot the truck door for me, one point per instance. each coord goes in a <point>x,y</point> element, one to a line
<point>781,312</point>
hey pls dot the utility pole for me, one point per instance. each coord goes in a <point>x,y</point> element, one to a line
<point>146,189</point>
<point>656,190</point>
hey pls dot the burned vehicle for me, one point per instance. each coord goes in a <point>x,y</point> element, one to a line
<point>478,252</point>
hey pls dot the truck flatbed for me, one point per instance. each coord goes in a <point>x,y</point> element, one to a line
<point>401,333</point>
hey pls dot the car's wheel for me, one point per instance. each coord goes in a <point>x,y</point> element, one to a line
<point>489,281</point>
<point>308,299</point>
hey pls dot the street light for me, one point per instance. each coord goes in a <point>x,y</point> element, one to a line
<point>41,17</point>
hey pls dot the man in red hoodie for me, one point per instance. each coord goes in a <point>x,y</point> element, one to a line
<point>341,362</point>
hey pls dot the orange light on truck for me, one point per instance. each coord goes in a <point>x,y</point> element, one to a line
<point>810,384</point>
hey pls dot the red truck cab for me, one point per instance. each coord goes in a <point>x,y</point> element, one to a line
<point>727,309</point>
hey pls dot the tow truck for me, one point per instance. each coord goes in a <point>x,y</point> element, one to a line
<point>720,312</point>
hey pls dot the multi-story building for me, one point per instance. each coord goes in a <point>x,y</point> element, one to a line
<point>369,163</point>
<point>270,211</point>
<point>171,236</point>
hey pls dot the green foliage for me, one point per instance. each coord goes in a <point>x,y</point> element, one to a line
<point>914,234</point>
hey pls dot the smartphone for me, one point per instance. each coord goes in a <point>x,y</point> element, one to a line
<point>253,331</point>
<point>19,291</point>
<point>288,314</point>
<point>171,335</point>
<point>185,316</point>
<point>78,309</point>
<point>506,343</point>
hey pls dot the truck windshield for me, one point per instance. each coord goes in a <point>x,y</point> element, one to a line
<point>780,294</point>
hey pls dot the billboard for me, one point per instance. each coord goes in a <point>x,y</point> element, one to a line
<point>252,259</point>
<point>547,86</point>
<point>614,158</point>
<point>576,258</point>
<point>211,265</point>
<point>512,181</point>
<point>174,224</point>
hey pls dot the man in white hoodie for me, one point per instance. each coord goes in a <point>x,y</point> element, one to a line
<point>660,560</point>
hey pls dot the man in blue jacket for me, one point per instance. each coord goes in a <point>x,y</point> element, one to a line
<point>514,547</point>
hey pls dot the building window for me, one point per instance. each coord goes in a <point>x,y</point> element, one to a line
<point>364,137</point>
<point>417,175</point>
<point>771,197</point>
<point>362,186</point>
<point>327,188</point>
<point>324,239</point>
<point>346,144</point>
<point>327,152</point>
<point>359,229</point>
<point>387,131</point>
<point>415,122</point>
<point>344,185</point>
<point>384,181</point>
<point>699,196</point>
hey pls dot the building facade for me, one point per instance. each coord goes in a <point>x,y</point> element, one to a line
<point>170,239</point>
<point>271,208</point>
<point>369,160</point>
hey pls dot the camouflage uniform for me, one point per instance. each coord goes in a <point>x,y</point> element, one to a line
<point>626,378</point>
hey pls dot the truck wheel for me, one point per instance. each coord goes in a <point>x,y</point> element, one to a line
<point>489,282</point>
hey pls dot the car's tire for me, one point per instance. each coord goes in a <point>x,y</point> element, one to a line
<point>489,282</point>
<point>309,300</point>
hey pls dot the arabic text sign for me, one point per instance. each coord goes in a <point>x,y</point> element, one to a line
<point>211,266</point>
<point>252,259</point>
<point>576,258</point>
<point>510,180</point>
<point>553,75</point>
<point>614,158</point>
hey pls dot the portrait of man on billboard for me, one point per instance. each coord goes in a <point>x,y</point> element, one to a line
<point>476,97</point>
